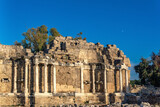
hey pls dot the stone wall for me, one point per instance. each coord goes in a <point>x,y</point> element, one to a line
<point>68,79</point>
<point>11,100</point>
<point>74,71</point>
<point>8,51</point>
<point>111,82</point>
<point>6,77</point>
<point>87,81</point>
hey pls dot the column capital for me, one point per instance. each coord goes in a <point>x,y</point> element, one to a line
<point>82,66</point>
<point>27,61</point>
<point>46,63</point>
<point>36,61</point>
<point>123,66</point>
<point>15,64</point>
<point>93,67</point>
<point>105,67</point>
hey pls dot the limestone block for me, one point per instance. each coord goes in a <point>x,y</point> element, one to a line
<point>1,61</point>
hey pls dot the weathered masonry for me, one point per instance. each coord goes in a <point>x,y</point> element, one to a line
<point>68,71</point>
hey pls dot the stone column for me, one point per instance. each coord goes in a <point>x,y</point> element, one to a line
<point>15,78</point>
<point>105,80</point>
<point>82,85</point>
<point>54,79</point>
<point>37,77</point>
<point>26,81</point>
<point>127,89</point>
<point>45,78</point>
<point>26,76</point>
<point>120,80</point>
<point>93,78</point>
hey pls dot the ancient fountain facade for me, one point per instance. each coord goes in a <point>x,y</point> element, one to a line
<point>68,71</point>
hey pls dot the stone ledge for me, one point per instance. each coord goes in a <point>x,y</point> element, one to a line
<point>88,94</point>
<point>120,94</point>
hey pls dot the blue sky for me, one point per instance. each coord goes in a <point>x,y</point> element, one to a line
<point>133,25</point>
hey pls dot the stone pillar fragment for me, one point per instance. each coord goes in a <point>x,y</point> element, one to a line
<point>45,78</point>
<point>82,85</point>
<point>37,77</point>
<point>15,78</point>
<point>127,88</point>
<point>93,78</point>
<point>54,79</point>
<point>26,76</point>
<point>120,80</point>
<point>105,80</point>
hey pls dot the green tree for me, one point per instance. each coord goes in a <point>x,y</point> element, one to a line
<point>135,82</point>
<point>17,43</point>
<point>79,36</point>
<point>35,38</point>
<point>155,75</point>
<point>54,33</point>
<point>149,70</point>
<point>142,69</point>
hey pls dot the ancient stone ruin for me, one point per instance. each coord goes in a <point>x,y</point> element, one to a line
<point>69,71</point>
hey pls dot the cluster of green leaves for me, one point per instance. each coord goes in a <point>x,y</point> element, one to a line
<point>79,36</point>
<point>54,33</point>
<point>135,82</point>
<point>17,43</point>
<point>37,38</point>
<point>149,70</point>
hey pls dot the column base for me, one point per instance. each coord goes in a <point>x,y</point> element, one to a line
<point>106,99</point>
<point>43,94</point>
<point>82,91</point>
<point>15,91</point>
<point>54,92</point>
<point>26,94</point>
<point>119,97</point>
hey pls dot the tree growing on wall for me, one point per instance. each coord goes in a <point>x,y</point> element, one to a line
<point>54,33</point>
<point>149,70</point>
<point>17,43</point>
<point>37,38</point>
<point>79,36</point>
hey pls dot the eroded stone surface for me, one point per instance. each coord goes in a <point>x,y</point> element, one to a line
<point>73,66</point>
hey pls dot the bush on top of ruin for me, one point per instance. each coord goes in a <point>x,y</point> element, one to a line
<point>38,38</point>
<point>79,37</point>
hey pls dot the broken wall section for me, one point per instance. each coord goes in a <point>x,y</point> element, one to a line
<point>8,51</point>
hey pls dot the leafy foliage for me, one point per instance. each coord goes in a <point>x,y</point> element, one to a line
<point>149,70</point>
<point>37,38</point>
<point>135,82</point>
<point>79,36</point>
<point>17,43</point>
<point>54,33</point>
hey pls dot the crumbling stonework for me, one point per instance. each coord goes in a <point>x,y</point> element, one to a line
<point>68,71</point>
<point>146,93</point>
